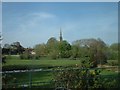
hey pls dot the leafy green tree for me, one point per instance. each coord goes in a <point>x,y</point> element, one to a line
<point>113,51</point>
<point>52,44</point>
<point>53,48</point>
<point>114,46</point>
<point>17,48</point>
<point>93,48</point>
<point>6,49</point>
<point>14,48</point>
<point>79,52</point>
<point>75,51</point>
<point>54,54</point>
<point>26,54</point>
<point>65,49</point>
<point>40,50</point>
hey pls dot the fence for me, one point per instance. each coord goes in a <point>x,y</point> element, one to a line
<point>30,75</point>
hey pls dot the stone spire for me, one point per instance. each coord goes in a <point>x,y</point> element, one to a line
<point>61,35</point>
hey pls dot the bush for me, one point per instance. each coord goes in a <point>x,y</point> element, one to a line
<point>110,82</point>
<point>26,55</point>
<point>113,63</point>
<point>80,78</point>
<point>83,78</point>
<point>54,55</point>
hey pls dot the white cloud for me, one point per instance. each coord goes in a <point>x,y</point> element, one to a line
<point>34,28</point>
<point>43,15</point>
<point>35,20</point>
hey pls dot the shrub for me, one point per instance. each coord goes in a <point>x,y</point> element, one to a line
<point>79,78</point>
<point>83,78</point>
<point>113,63</point>
<point>53,54</point>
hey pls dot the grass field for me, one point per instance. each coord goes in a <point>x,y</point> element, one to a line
<point>15,60</point>
<point>59,62</point>
<point>15,63</point>
<point>35,77</point>
<point>44,77</point>
<point>41,76</point>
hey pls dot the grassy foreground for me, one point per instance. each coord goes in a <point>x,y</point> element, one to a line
<point>24,77</point>
<point>51,62</point>
<point>44,79</point>
<point>15,63</point>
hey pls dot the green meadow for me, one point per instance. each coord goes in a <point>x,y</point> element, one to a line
<point>42,76</point>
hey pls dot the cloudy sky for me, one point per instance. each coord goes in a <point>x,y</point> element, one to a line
<point>34,23</point>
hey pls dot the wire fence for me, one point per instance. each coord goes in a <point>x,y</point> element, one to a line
<point>30,83</point>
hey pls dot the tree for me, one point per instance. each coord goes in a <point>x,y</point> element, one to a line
<point>25,55</point>
<point>113,51</point>
<point>114,46</point>
<point>52,44</point>
<point>64,49</point>
<point>17,48</point>
<point>14,48</point>
<point>75,51</point>
<point>6,49</point>
<point>40,50</point>
<point>53,48</point>
<point>99,52</point>
<point>93,48</point>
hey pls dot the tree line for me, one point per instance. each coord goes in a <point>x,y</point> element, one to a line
<point>96,50</point>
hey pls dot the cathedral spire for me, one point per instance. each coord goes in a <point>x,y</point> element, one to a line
<point>60,35</point>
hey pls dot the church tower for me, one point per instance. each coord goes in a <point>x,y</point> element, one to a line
<point>61,35</point>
